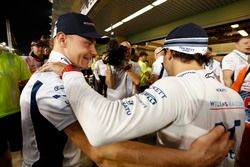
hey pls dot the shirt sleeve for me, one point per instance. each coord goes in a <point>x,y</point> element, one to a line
<point>106,121</point>
<point>228,63</point>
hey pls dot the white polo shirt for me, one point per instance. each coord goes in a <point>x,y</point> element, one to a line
<point>45,112</point>
<point>183,108</point>
<point>234,61</point>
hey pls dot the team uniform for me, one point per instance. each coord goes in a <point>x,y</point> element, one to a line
<point>182,108</point>
<point>234,61</point>
<point>123,86</point>
<point>45,113</point>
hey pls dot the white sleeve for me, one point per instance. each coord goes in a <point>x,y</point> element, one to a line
<point>96,71</point>
<point>228,63</point>
<point>106,121</point>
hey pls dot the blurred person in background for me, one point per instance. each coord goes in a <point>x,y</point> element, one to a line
<point>122,74</point>
<point>100,75</point>
<point>13,74</point>
<point>158,70</point>
<point>144,73</point>
<point>213,65</point>
<point>36,57</point>
<point>236,60</point>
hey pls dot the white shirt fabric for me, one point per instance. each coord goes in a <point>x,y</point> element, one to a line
<point>186,107</point>
<point>234,61</point>
<point>123,86</point>
<point>99,69</point>
<point>45,112</point>
<point>157,66</point>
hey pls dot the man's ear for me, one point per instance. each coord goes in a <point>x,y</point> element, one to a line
<point>61,37</point>
<point>169,54</point>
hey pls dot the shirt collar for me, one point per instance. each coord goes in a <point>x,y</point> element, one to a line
<point>58,57</point>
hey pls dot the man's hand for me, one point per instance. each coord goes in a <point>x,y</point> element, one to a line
<point>212,148</point>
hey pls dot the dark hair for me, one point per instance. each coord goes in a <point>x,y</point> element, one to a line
<point>142,53</point>
<point>115,53</point>
<point>240,38</point>
<point>112,45</point>
<point>185,58</point>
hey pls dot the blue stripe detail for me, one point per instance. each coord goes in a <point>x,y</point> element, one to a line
<point>50,141</point>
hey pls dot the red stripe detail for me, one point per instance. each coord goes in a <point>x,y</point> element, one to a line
<point>231,108</point>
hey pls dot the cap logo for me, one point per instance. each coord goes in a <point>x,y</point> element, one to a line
<point>186,49</point>
<point>89,24</point>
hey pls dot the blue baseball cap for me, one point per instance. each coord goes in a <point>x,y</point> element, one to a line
<point>79,24</point>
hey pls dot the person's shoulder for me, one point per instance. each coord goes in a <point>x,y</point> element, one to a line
<point>48,78</point>
<point>231,54</point>
<point>170,82</point>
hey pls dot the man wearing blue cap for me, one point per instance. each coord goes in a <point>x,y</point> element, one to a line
<point>47,117</point>
<point>181,108</point>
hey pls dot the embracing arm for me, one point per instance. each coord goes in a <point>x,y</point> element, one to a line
<point>207,150</point>
<point>116,120</point>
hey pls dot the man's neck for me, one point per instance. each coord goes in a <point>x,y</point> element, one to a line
<point>180,67</point>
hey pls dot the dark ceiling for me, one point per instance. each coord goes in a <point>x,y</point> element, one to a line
<point>29,20</point>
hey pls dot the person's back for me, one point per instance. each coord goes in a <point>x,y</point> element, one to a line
<point>42,101</point>
<point>203,103</point>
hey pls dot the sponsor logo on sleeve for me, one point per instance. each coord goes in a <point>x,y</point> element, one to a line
<point>159,91</point>
<point>150,97</point>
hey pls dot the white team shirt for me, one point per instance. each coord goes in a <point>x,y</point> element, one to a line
<point>45,112</point>
<point>234,61</point>
<point>157,66</point>
<point>183,108</point>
